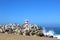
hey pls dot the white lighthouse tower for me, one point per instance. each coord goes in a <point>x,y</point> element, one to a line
<point>26,22</point>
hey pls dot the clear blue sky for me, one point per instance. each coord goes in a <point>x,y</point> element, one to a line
<point>36,11</point>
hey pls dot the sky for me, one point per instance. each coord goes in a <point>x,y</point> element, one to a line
<point>36,11</point>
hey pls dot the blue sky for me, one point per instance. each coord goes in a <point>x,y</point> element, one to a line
<point>36,11</point>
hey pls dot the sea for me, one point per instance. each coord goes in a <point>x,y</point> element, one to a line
<point>52,31</point>
<point>55,29</point>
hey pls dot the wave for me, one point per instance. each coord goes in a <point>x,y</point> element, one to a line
<point>50,33</point>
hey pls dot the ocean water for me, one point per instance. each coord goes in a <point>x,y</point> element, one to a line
<point>52,31</point>
<point>55,29</point>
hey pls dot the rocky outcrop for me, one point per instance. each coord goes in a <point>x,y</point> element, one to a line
<point>22,29</point>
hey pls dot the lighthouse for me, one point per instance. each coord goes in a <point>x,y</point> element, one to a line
<point>26,22</point>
